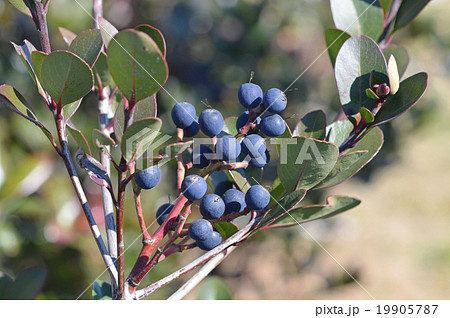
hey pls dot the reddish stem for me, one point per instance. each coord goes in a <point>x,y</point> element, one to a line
<point>181,169</point>
<point>119,221</point>
<point>234,165</point>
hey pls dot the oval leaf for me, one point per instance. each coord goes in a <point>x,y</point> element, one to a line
<point>338,131</point>
<point>408,11</point>
<point>335,38</point>
<point>87,45</point>
<point>79,138</point>
<point>401,57</point>
<point>312,125</point>
<point>67,35</point>
<point>100,139</point>
<point>107,30</point>
<point>226,229</point>
<point>139,136</point>
<point>28,284</point>
<point>38,57</point>
<point>21,6</point>
<point>155,34</point>
<point>214,288</point>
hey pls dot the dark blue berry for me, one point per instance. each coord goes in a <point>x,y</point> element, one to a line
<point>201,156</point>
<point>200,230</point>
<point>163,212</point>
<point>234,201</point>
<point>211,122</point>
<point>193,129</point>
<point>148,178</point>
<point>254,146</point>
<point>211,242</point>
<point>272,125</point>
<point>250,95</point>
<point>227,148</point>
<point>243,120</point>
<point>275,100</point>
<point>212,206</point>
<point>223,186</point>
<point>193,187</point>
<point>257,197</point>
<point>261,161</point>
<point>183,114</point>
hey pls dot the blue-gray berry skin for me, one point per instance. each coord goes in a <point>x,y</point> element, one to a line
<point>234,201</point>
<point>211,122</point>
<point>193,129</point>
<point>193,187</point>
<point>272,125</point>
<point>257,197</point>
<point>227,148</point>
<point>163,212</point>
<point>201,155</point>
<point>148,178</point>
<point>223,186</point>
<point>183,114</point>
<point>260,162</point>
<point>200,230</point>
<point>254,146</point>
<point>250,95</point>
<point>275,100</point>
<point>212,206</point>
<point>211,241</point>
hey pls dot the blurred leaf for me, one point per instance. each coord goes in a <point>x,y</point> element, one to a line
<point>410,92</point>
<point>70,109</point>
<point>21,6</point>
<point>175,148</point>
<point>12,99</point>
<point>226,229</point>
<point>107,30</point>
<point>229,126</point>
<point>67,35</point>
<point>312,125</point>
<point>101,290</point>
<point>361,17</point>
<point>87,45</point>
<point>338,131</point>
<point>214,288</point>
<point>408,11</point>
<point>401,57</point>
<point>358,57</point>
<point>37,58</point>
<point>136,65</point>
<point>66,77</point>
<point>307,162</point>
<point>119,120</point>
<point>394,78</point>
<point>355,159</point>
<point>101,72</point>
<point>79,137</point>
<point>139,136</point>
<point>335,205</point>
<point>99,139</point>
<point>335,38</point>
<point>5,285</point>
<point>385,4</point>
<point>155,34</point>
<point>28,284</point>
<point>145,108</point>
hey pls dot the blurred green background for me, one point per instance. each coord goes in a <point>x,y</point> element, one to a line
<point>395,243</point>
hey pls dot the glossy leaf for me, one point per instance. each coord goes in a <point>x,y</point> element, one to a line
<point>214,288</point>
<point>100,139</point>
<point>357,58</point>
<point>306,162</point>
<point>101,290</point>
<point>401,57</point>
<point>335,38</point>
<point>155,34</point>
<point>66,77</point>
<point>21,6</point>
<point>410,92</point>
<point>87,45</point>
<point>27,284</point>
<point>312,125</point>
<point>79,137</point>
<point>136,65</point>
<point>226,229</point>
<point>107,30</point>
<point>358,17</point>
<point>338,131</point>
<point>229,126</point>
<point>67,35</point>
<point>335,205</point>
<point>408,11</point>
<point>355,159</point>
<point>139,136</point>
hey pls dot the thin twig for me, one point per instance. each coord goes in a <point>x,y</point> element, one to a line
<point>97,11</point>
<point>119,222</point>
<point>42,26</point>
<point>137,203</point>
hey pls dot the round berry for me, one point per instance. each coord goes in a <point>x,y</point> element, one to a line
<point>212,206</point>
<point>211,122</point>
<point>193,187</point>
<point>257,197</point>
<point>201,156</point>
<point>183,114</point>
<point>228,148</point>
<point>243,120</point>
<point>211,242</point>
<point>163,212</point>
<point>200,230</point>
<point>223,186</point>
<point>260,162</point>
<point>272,125</point>
<point>148,178</point>
<point>253,145</point>
<point>250,95</point>
<point>234,201</point>
<point>275,100</point>
<point>193,129</point>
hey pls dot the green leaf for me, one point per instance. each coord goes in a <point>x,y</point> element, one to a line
<point>355,159</point>
<point>67,35</point>
<point>87,45</point>
<point>101,290</point>
<point>357,58</point>
<point>366,115</point>
<point>282,207</point>
<point>139,136</point>
<point>107,30</point>
<point>410,92</point>
<point>358,17</point>
<point>155,34</point>
<point>408,11</point>
<point>214,288</point>
<point>239,179</point>
<point>145,108</point>
<point>335,205</point>
<point>119,120</point>
<point>21,6</point>
<point>100,139</point>
<point>37,58</point>
<point>136,65</point>
<point>338,131</point>
<point>386,4</point>
<point>277,191</point>
<point>229,126</point>
<point>226,229</point>
<point>5,284</point>
<point>28,284</point>
<point>371,94</point>
<point>175,148</point>
<point>70,109</point>
<point>335,38</point>
<point>312,125</point>
<point>394,78</point>
<point>305,162</point>
<point>401,57</point>
<point>66,77</point>
<point>101,72</point>
<point>79,137</point>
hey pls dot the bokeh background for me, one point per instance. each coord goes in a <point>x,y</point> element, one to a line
<point>396,243</point>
